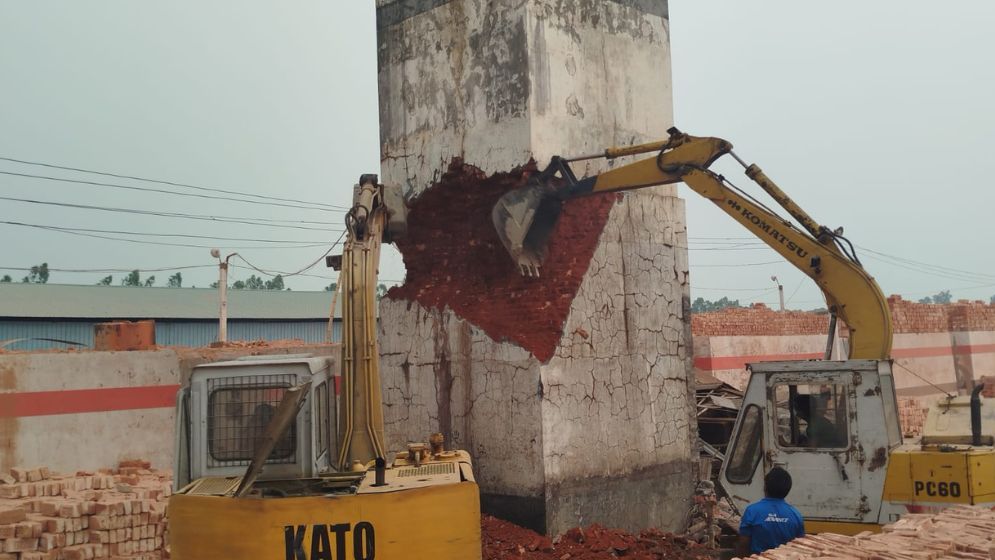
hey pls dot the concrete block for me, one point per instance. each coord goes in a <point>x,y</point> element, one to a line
<point>607,400</point>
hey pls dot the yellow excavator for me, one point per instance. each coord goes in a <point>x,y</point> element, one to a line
<point>833,424</point>
<point>284,457</point>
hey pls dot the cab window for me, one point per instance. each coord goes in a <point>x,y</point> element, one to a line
<point>810,415</point>
<point>747,450</point>
<point>237,420</point>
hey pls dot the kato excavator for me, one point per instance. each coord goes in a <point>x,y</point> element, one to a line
<point>833,424</point>
<point>286,457</point>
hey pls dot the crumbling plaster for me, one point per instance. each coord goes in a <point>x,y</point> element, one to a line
<point>497,83</point>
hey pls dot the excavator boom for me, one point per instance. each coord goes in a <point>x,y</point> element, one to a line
<point>524,219</point>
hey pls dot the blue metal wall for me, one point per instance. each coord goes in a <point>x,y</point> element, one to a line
<point>167,333</point>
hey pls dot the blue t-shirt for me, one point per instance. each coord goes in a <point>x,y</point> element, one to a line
<point>770,523</point>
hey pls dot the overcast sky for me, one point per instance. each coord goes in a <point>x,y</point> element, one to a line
<point>874,116</point>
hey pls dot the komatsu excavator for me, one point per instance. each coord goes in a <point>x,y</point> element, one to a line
<point>285,457</point>
<point>833,424</point>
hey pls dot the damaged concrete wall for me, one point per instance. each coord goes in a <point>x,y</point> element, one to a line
<point>593,422</point>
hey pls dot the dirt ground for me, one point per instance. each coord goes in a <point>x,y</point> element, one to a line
<point>504,540</point>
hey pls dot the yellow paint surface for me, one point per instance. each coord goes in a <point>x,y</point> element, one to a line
<point>917,476</point>
<point>439,522</point>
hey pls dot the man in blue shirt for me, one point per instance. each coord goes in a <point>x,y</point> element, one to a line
<point>770,522</point>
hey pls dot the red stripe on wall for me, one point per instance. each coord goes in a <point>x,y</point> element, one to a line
<point>934,351</point>
<point>49,403</point>
<point>716,363</point>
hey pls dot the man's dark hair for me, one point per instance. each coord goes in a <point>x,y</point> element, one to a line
<point>777,483</point>
<point>803,406</point>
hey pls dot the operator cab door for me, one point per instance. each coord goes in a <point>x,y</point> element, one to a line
<point>811,430</point>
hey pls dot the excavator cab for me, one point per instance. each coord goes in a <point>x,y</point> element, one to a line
<point>831,424</point>
<point>287,458</point>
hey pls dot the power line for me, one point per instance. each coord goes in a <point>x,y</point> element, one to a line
<point>250,221</point>
<point>172,183</point>
<point>310,243</point>
<point>143,242</point>
<point>936,268</point>
<point>795,291</point>
<point>161,191</point>
<point>736,265</point>
<point>693,287</point>
<point>299,272</point>
<point>112,270</point>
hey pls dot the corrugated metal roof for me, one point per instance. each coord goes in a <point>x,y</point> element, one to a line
<point>119,302</point>
<point>168,332</point>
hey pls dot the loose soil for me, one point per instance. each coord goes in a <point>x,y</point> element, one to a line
<point>504,540</point>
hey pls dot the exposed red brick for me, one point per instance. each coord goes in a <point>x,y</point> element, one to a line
<point>758,320</point>
<point>454,258</point>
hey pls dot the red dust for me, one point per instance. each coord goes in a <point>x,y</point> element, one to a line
<point>454,258</point>
<point>503,540</point>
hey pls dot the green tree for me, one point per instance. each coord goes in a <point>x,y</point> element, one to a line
<point>132,279</point>
<point>334,286</point>
<point>254,282</point>
<point>214,285</point>
<point>149,282</point>
<point>37,275</point>
<point>7,279</point>
<point>381,291</point>
<point>702,305</point>
<point>106,281</point>
<point>275,284</point>
<point>175,281</point>
<point>943,297</point>
<point>992,301</point>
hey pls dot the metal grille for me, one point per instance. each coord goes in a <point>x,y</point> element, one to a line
<point>214,486</point>
<point>428,470</point>
<point>238,411</point>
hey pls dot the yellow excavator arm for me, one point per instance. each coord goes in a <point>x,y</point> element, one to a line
<point>524,219</point>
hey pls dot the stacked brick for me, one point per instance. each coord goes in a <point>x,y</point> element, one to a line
<point>989,391</point>
<point>964,532</point>
<point>906,317</point>
<point>911,416</point>
<point>758,320</point>
<point>117,514</point>
<point>911,317</point>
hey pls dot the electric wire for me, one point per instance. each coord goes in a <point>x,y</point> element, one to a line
<point>736,265</point>
<point>162,191</point>
<point>172,183</point>
<point>112,270</point>
<point>309,243</point>
<point>265,222</point>
<point>935,386</point>
<point>160,243</point>
<point>298,272</point>
<point>795,291</point>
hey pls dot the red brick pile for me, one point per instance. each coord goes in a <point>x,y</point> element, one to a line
<point>989,391</point>
<point>963,532</point>
<point>906,317</point>
<point>118,514</point>
<point>503,540</point>
<point>912,317</point>
<point>911,416</point>
<point>758,320</point>
<point>454,258</point>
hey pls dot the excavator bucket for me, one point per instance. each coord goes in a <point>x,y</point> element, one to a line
<point>524,218</point>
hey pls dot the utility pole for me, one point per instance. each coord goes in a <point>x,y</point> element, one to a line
<point>780,291</point>
<point>222,294</point>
